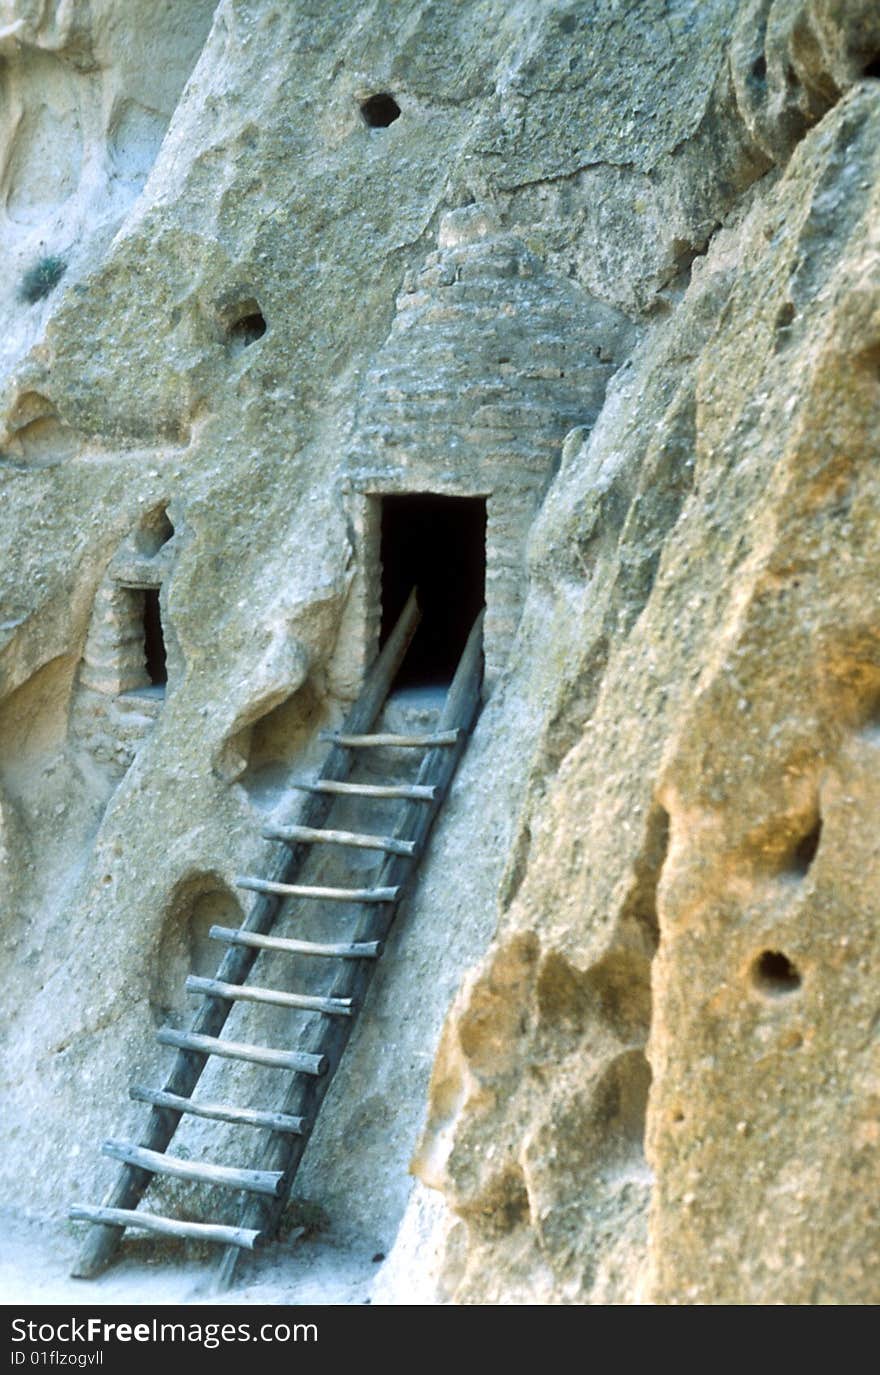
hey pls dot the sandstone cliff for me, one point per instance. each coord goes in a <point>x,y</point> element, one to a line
<point>625,1036</point>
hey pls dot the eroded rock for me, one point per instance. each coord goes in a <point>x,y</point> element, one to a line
<point>614,272</point>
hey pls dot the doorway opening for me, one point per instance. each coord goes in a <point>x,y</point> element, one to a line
<point>155,656</point>
<point>438,544</point>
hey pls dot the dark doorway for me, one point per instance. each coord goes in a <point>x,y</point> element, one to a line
<point>154,640</point>
<point>437,544</point>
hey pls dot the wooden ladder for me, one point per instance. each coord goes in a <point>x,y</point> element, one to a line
<point>310,1068</point>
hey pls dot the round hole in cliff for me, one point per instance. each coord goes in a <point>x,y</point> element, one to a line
<point>872,68</point>
<point>774,975</point>
<point>246,329</point>
<point>759,69</point>
<point>380,110</point>
<point>785,315</point>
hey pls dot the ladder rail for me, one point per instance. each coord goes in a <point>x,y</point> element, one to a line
<point>283,1152</point>
<point>103,1239</point>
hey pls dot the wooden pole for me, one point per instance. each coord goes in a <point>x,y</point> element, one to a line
<point>217,1112</point>
<point>227,1176</point>
<point>167,1226</point>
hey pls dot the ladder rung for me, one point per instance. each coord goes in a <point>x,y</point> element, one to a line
<point>167,1226</point>
<point>431,741</point>
<point>215,988</point>
<point>219,1112</point>
<point>157,1162</point>
<point>360,950</point>
<point>236,1050</point>
<point>414,792</point>
<point>309,835</point>
<point>300,890</point>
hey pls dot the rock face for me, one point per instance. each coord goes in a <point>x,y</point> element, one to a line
<point>614,270</point>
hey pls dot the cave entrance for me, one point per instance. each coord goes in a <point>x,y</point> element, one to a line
<point>438,544</point>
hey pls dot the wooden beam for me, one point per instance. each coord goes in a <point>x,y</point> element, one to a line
<point>238,1050</point>
<point>213,988</point>
<point>217,1112</point>
<point>349,741</point>
<point>117,1218</point>
<point>352,950</point>
<point>303,890</point>
<point>227,1176</point>
<point>410,792</point>
<point>308,835</point>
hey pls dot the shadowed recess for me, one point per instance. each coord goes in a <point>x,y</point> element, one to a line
<point>804,852</point>
<point>154,531</point>
<point>41,279</point>
<point>774,974</point>
<point>437,544</point>
<point>244,324</point>
<point>154,640</point>
<point>380,110</point>
<point>184,947</point>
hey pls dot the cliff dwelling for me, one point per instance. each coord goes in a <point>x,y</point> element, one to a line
<point>439,652</point>
<point>436,544</point>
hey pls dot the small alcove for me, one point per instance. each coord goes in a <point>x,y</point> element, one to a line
<point>437,544</point>
<point>380,110</point>
<point>155,656</point>
<point>243,323</point>
<point>774,975</point>
<point>184,945</point>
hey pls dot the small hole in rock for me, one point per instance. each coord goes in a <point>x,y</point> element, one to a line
<point>246,330</point>
<point>759,69</point>
<point>774,974</point>
<point>379,1256</point>
<point>164,529</point>
<point>805,851</point>
<point>380,110</point>
<point>154,531</point>
<point>785,315</point>
<point>872,68</point>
